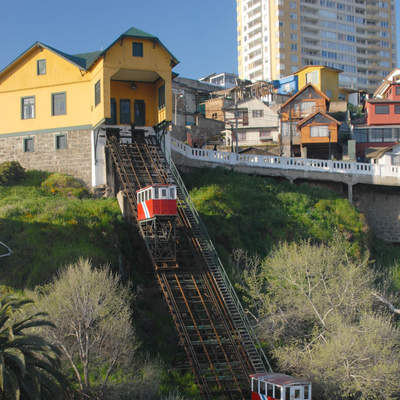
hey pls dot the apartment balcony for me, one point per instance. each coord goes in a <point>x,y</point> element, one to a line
<point>310,20</point>
<point>310,2</point>
<point>305,31</point>
<point>308,42</point>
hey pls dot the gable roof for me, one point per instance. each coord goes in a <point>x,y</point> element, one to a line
<point>304,120</point>
<point>86,60</point>
<point>389,79</point>
<point>322,94</point>
<point>138,34</point>
<point>76,60</point>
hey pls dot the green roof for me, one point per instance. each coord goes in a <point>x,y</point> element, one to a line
<point>86,60</point>
<point>134,32</point>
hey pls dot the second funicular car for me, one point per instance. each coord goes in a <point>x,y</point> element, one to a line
<point>274,386</point>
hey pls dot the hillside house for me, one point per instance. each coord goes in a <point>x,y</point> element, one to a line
<point>256,123</point>
<point>188,95</point>
<point>306,101</point>
<point>319,136</point>
<point>54,104</point>
<point>382,122</point>
<point>325,79</point>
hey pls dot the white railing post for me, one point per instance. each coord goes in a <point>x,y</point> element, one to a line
<point>292,163</point>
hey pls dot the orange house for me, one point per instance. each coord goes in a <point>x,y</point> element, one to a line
<point>306,101</point>
<point>319,135</point>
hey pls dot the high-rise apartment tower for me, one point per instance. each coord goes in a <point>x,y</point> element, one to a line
<point>277,37</point>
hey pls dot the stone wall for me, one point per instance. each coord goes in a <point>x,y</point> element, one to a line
<point>75,160</point>
<point>381,206</point>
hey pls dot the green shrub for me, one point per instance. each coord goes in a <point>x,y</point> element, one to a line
<point>11,172</point>
<point>65,185</point>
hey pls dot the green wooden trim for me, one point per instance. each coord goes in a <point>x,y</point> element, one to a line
<point>42,131</point>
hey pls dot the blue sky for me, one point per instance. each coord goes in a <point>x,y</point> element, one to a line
<point>201,34</point>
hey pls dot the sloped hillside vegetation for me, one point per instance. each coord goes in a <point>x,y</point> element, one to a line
<point>49,220</point>
<point>256,213</point>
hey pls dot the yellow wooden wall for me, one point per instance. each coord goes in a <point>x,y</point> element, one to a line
<point>306,138</point>
<point>61,76</point>
<point>155,59</point>
<point>21,80</point>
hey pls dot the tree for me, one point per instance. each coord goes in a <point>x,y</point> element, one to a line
<point>315,306</point>
<point>91,310</point>
<point>29,365</point>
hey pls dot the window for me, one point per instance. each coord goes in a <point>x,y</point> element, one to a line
<point>397,90</point>
<point>245,116</point>
<point>28,145</point>
<point>397,108</point>
<point>241,136</point>
<point>312,77</point>
<point>137,49</point>
<point>270,390</point>
<point>124,111</point>
<point>319,131</point>
<point>156,192</point>
<point>61,142</point>
<point>381,109</point>
<point>41,67</point>
<point>163,193</point>
<point>97,95</point>
<point>258,113</point>
<point>58,104</point>
<point>28,107</point>
<point>172,193</point>
<point>307,107</point>
<point>293,47</point>
<point>161,97</point>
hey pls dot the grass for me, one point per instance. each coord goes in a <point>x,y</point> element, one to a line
<point>48,230</point>
<point>256,213</point>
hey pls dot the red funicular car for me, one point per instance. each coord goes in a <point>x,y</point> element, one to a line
<point>156,200</point>
<point>279,387</point>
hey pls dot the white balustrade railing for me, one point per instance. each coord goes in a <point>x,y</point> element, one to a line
<point>305,164</point>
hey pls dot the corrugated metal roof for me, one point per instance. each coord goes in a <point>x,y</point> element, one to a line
<point>280,379</point>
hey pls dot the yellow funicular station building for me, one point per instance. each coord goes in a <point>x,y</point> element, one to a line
<point>52,103</point>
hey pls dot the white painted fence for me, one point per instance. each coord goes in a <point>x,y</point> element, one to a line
<point>304,164</point>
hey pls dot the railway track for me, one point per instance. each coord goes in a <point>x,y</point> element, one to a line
<point>220,345</point>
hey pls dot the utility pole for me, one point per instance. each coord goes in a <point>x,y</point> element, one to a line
<point>329,144</point>
<point>236,126</point>
<point>291,132</point>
